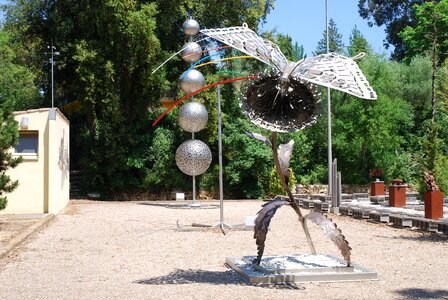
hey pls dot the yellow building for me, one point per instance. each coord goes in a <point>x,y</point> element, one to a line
<point>44,180</point>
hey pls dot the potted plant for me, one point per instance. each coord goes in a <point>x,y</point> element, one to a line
<point>433,197</point>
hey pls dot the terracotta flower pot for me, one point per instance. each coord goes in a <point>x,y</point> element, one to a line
<point>433,205</point>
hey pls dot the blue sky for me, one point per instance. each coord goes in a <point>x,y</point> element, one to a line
<point>304,21</point>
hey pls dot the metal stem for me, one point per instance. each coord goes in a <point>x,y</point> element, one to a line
<point>192,137</point>
<point>294,204</point>
<point>194,178</point>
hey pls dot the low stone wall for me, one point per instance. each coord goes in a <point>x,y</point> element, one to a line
<point>323,188</point>
<point>346,188</point>
<point>153,196</point>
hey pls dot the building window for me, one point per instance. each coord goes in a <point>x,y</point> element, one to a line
<point>28,144</point>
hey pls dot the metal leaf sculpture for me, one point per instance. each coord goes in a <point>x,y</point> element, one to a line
<point>287,100</point>
<point>262,222</point>
<point>259,137</point>
<point>332,231</point>
<point>284,157</point>
<point>268,210</point>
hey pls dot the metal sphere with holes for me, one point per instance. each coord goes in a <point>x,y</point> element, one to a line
<point>193,117</point>
<point>190,27</point>
<point>193,157</point>
<point>192,81</point>
<point>191,52</point>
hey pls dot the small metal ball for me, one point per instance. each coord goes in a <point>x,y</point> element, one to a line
<point>190,27</point>
<point>193,117</point>
<point>191,52</point>
<point>193,157</point>
<point>192,81</point>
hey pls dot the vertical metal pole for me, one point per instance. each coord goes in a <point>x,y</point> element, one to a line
<point>192,137</point>
<point>339,197</point>
<point>330,155</point>
<point>334,171</point>
<point>194,179</point>
<point>221,190</point>
<point>52,77</point>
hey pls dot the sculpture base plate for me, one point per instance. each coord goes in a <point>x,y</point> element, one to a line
<point>298,268</point>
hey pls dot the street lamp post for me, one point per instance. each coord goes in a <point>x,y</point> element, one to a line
<point>330,179</point>
<point>52,62</point>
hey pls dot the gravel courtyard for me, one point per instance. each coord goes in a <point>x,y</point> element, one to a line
<point>130,250</point>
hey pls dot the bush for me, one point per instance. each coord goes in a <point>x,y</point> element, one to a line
<point>275,186</point>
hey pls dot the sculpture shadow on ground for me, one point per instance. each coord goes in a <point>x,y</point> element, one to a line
<point>423,237</point>
<point>210,277</point>
<point>415,293</point>
<point>181,205</point>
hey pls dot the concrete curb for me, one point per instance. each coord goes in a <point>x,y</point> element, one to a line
<point>19,239</point>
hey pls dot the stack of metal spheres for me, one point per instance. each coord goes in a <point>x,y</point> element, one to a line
<point>193,157</point>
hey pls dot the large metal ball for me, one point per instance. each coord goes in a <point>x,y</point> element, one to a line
<point>192,81</point>
<point>190,27</point>
<point>193,157</point>
<point>191,52</point>
<point>193,117</point>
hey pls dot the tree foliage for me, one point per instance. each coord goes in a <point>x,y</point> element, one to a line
<point>16,87</point>
<point>109,49</point>
<point>395,16</point>
<point>358,43</point>
<point>335,43</point>
<point>429,32</point>
<point>275,185</point>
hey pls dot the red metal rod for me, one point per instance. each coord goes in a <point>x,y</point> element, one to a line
<point>198,91</point>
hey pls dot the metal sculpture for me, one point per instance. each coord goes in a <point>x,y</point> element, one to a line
<point>282,158</point>
<point>286,100</point>
<point>193,117</point>
<point>193,157</point>
<point>191,52</point>
<point>430,181</point>
<point>190,27</point>
<point>191,81</point>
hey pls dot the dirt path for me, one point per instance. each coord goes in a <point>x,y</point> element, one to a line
<point>128,250</point>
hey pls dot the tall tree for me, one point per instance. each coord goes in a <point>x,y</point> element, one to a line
<point>335,43</point>
<point>430,34</point>
<point>299,51</point>
<point>395,16</point>
<point>358,43</point>
<point>108,51</point>
<point>16,89</point>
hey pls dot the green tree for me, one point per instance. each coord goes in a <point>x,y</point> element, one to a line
<point>292,52</point>
<point>334,40</point>
<point>108,51</point>
<point>430,34</point>
<point>16,87</point>
<point>358,43</point>
<point>299,52</point>
<point>395,16</point>
<point>275,185</point>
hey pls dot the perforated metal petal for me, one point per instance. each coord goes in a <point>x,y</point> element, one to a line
<point>265,106</point>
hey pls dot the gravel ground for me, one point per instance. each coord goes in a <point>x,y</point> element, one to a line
<point>129,250</point>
